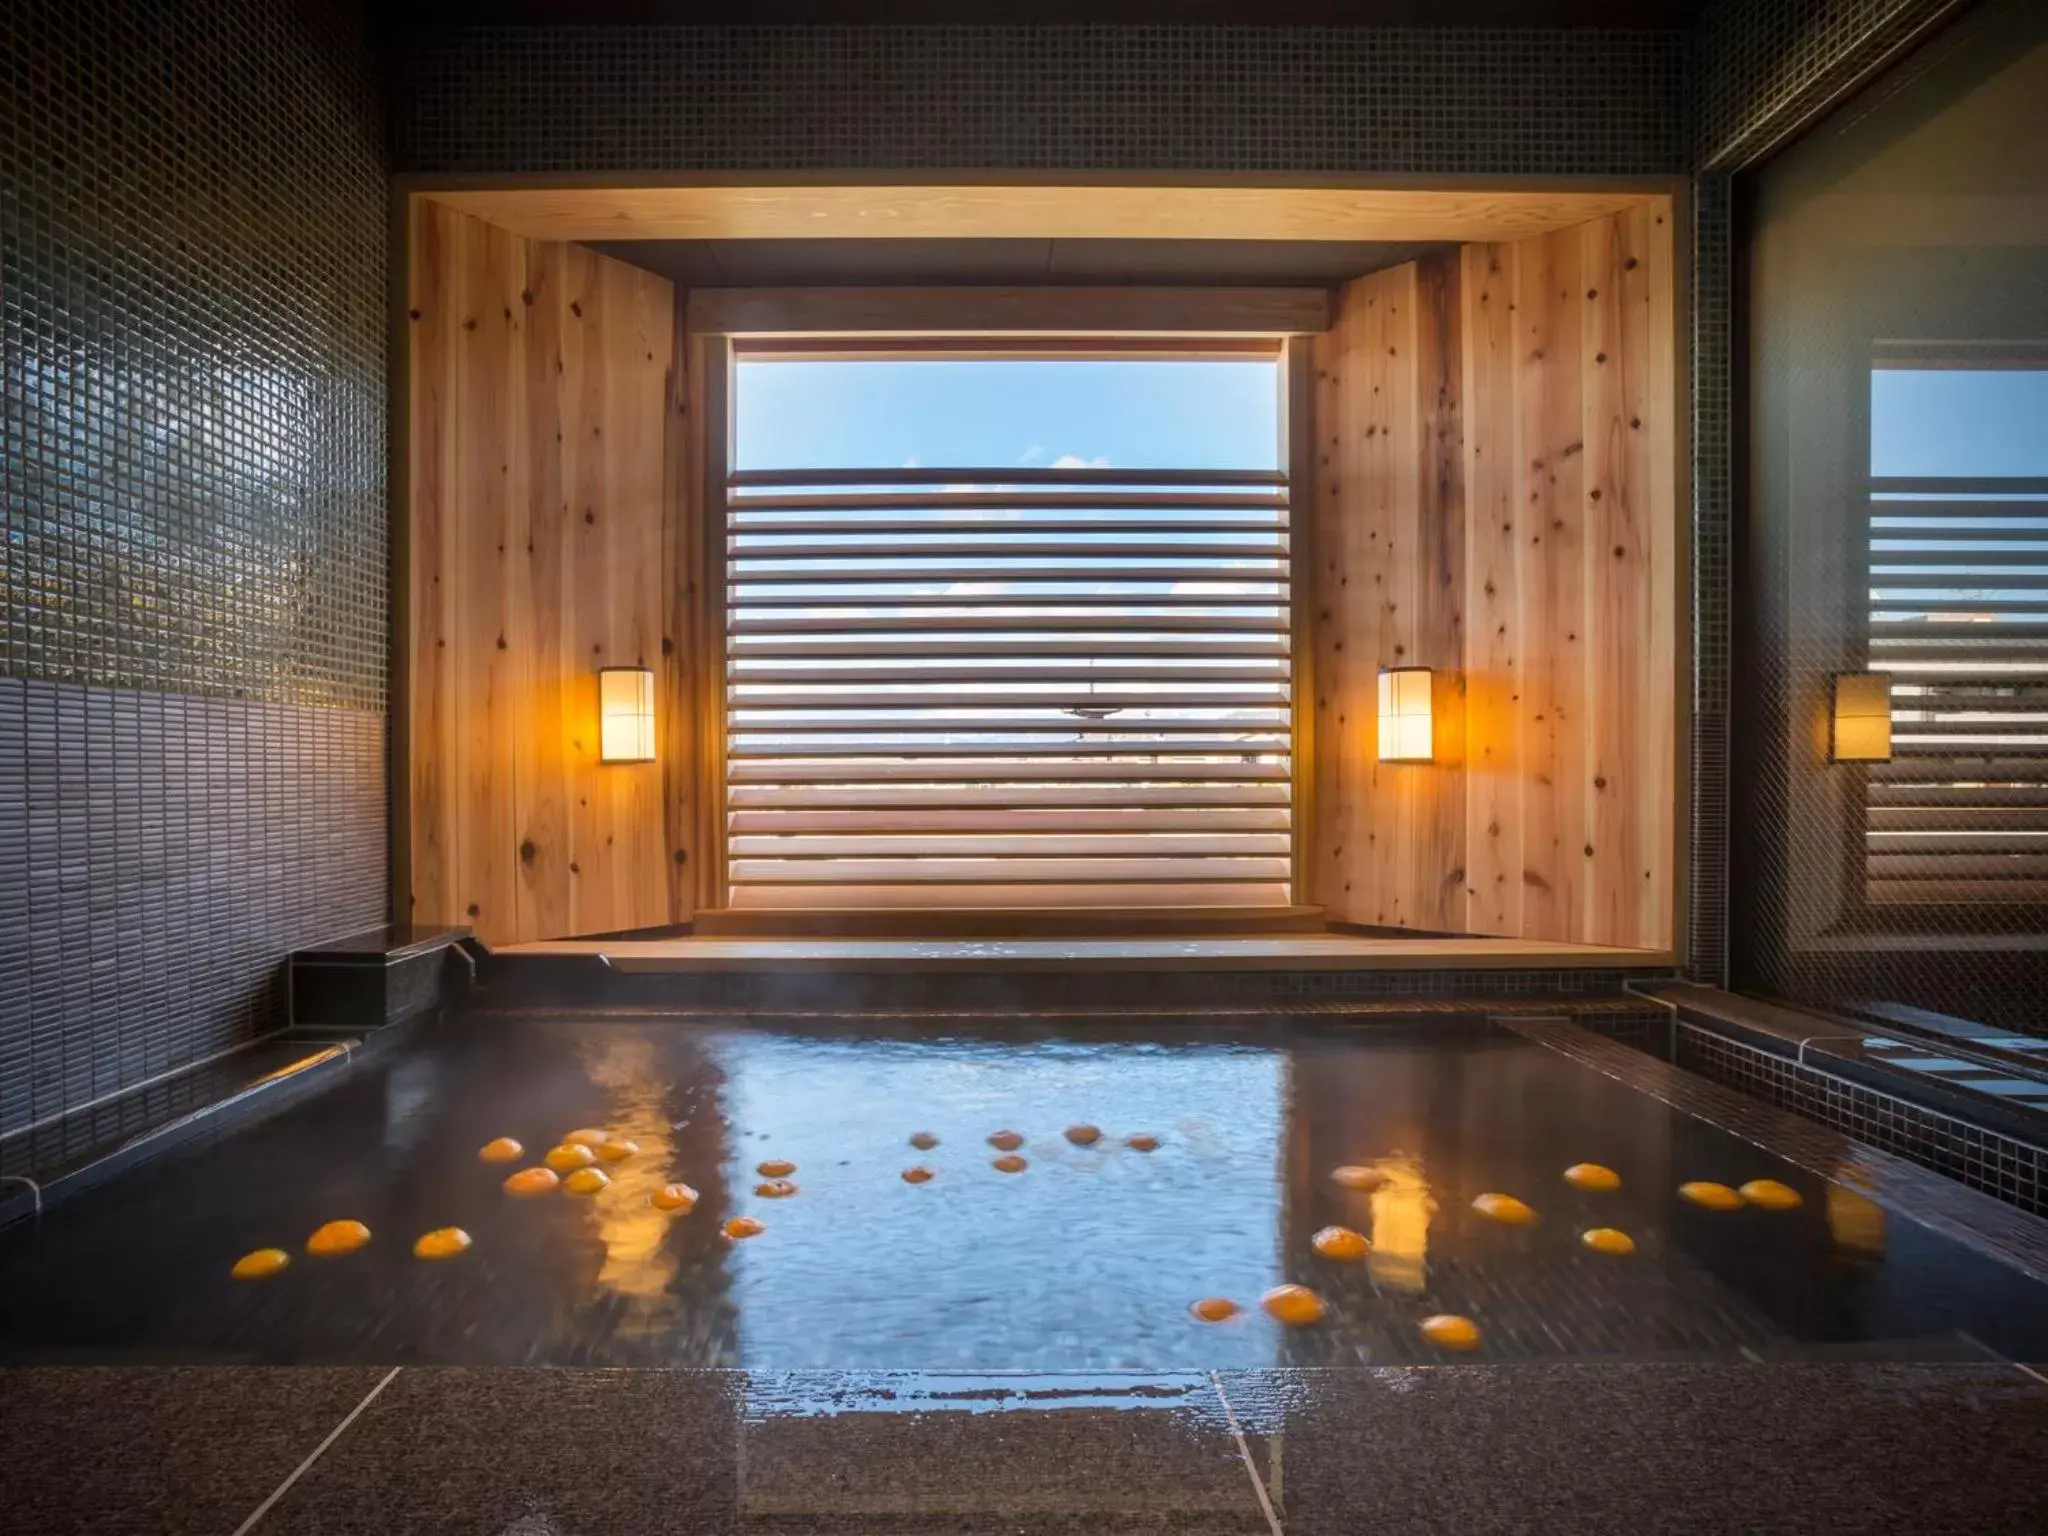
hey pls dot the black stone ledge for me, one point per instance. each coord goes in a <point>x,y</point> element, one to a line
<point>380,977</point>
<point>84,1149</point>
<point>556,982</point>
<point>1835,1046</point>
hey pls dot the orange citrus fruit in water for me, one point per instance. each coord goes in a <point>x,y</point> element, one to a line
<point>1592,1176</point>
<point>586,1181</point>
<point>1340,1243</point>
<point>1009,1162</point>
<point>1505,1209</point>
<point>1295,1305</point>
<point>673,1197</point>
<point>529,1183</point>
<point>1447,1331</point>
<point>1142,1142</point>
<point>1352,1176</point>
<point>570,1156</point>
<point>337,1237</point>
<point>261,1264</point>
<point>588,1136</point>
<point>503,1150</point>
<point>775,1168</point>
<point>917,1175</point>
<point>1715,1197</point>
<point>1608,1240</point>
<point>1006,1141</point>
<point>617,1150</point>
<point>924,1141</point>
<point>441,1243</point>
<point>742,1226</point>
<point>1214,1309</point>
<point>1771,1195</point>
<point>775,1189</point>
<point>1083,1135</point>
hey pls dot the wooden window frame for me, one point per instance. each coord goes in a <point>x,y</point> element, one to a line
<point>1068,323</point>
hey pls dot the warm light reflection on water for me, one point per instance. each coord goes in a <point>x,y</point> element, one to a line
<point>1855,1223</point>
<point>1401,1209</point>
<point>639,1263</point>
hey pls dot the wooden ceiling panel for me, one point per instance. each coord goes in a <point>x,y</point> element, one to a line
<point>1081,208</point>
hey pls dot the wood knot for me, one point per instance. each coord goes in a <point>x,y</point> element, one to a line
<point>682,856</point>
<point>576,308</point>
<point>1600,782</point>
<point>474,911</point>
<point>469,325</point>
<point>527,851</point>
<point>526,297</point>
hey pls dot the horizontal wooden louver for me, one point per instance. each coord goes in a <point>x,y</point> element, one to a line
<point>1001,688</point>
<point>1959,618</point>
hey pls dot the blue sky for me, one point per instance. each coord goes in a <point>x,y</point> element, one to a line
<point>1955,421</point>
<point>987,414</point>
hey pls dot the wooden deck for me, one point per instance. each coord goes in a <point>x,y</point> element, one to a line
<point>1279,952</point>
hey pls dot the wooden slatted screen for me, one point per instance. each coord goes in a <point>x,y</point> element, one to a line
<point>1002,688</point>
<point>1959,618</point>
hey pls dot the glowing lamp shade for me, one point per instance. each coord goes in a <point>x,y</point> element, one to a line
<point>1862,730</point>
<point>625,714</point>
<point>1407,728</point>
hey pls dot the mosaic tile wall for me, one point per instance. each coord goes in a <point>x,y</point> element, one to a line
<point>1758,72</point>
<point>1069,97</point>
<point>2015,1171</point>
<point>192,355</point>
<point>1804,930</point>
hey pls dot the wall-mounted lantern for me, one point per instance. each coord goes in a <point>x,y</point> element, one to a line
<point>1407,722</point>
<point>625,714</point>
<point>1862,724</point>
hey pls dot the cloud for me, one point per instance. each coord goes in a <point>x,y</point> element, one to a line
<point>1075,461</point>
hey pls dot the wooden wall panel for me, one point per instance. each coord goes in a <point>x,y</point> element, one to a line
<point>1572,677</point>
<point>1497,499</point>
<point>543,387</point>
<point>1493,717</point>
<point>1552,667</point>
<point>1389,538</point>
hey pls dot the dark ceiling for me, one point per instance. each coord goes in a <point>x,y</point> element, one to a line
<point>1365,13</point>
<point>884,263</point>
